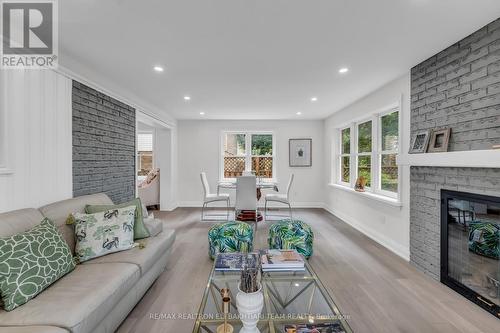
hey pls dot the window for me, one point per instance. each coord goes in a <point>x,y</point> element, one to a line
<point>376,142</point>
<point>389,172</point>
<point>145,153</point>
<point>244,151</point>
<point>364,155</point>
<point>345,158</point>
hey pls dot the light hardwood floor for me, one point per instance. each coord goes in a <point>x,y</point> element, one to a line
<point>378,290</point>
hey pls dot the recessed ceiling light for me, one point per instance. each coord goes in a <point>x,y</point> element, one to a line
<point>343,70</point>
<point>314,99</point>
<point>202,113</point>
<point>299,113</point>
<point>187,98</point>
<point>158,69</point>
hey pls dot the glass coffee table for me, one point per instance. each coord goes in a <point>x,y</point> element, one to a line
<point>290,298</point>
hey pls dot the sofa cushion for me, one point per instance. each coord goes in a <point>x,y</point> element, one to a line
<point>78,301</point>
<point>19,221</point>
<point>30,262</point>
<point>103,233</point>
<point>144,257</point>
<point>140,230</point>
<point>59,211</point>
<point>154,226</point>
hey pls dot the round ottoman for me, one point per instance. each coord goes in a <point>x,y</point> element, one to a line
<point>230,237</point>
<point>291,234</point>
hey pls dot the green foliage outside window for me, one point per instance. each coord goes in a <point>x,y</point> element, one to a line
<point>365,137</point>
<point>262,144</point>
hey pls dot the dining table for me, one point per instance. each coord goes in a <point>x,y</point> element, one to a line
<point>261,185</point>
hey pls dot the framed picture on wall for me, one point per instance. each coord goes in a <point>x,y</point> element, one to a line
<point>419,142</point>
<point>439,141</point>
<point>300,152</point>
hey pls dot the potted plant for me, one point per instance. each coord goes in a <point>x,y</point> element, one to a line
<point>250,299</point>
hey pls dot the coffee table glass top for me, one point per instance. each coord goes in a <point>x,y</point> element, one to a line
<point>289,298</point>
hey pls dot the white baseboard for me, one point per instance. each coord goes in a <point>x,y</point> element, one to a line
<point>376,236</point>
<point>261,205</point>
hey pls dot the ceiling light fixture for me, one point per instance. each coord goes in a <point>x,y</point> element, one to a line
<point>158,69</point>
<point>187,98</point>
<point>299,113</point>
<point>343,70</point>
<point>314,99</point>
<point>202,113</point>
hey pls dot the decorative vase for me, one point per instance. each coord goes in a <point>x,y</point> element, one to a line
<point>249,308</point>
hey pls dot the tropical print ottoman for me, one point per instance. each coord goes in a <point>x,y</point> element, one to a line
<point>484,239</point>
<point>291,234</point>
<point>230,237</point>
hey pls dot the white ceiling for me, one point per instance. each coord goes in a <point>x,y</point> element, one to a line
<point>258,59</point>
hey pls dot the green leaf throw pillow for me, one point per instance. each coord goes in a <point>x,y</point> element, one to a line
<point>103,233</point>
<point>30,262</point>
<point>140,230</point>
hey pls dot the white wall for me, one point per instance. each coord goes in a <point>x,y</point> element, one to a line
<point>386,224</point>
<point>37,104</point>
<point>199,150</point>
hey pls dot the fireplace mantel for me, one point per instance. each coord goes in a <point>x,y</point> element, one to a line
<point>464,159</point>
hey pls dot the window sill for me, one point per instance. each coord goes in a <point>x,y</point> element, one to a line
<point>381,198</point>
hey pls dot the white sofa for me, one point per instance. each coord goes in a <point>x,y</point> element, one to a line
<point>98,294</point>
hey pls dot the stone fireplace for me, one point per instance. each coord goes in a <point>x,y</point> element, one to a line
<point>459,88</point>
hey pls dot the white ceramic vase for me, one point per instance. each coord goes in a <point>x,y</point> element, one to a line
<point>249,308</point>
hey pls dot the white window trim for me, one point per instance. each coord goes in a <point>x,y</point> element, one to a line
<point>248,153</point>
<point>4,147</point>
<point>375,192</point>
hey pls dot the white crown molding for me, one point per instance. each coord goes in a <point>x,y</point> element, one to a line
<point>134,101</point>
<point>466,159</point>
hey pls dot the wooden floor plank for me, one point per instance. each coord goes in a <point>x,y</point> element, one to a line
<point>376,289</point>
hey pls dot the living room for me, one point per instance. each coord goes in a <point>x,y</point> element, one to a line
<point>284,166</point>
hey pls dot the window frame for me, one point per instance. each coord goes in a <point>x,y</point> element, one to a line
<point>376,152</point>
<point>153,159</point>
<point>341,155</point>
<point>248,152</point>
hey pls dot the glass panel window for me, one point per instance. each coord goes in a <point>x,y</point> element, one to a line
<point>389,173</point>
<point>390,131</point>
<point>145,152</point>
<point>262,145</point>
<point>345,169</point>
<point>365,168</point>
<point>346,141</point>
<point>248,152</point>
<point>365,137</point>
<point>234,144</point>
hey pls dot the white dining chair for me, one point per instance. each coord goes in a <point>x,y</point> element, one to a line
<point>210,197</point>
<point>246,196</point>
<point>280,198</point>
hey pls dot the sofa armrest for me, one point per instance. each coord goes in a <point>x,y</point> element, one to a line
<point>153,225</point>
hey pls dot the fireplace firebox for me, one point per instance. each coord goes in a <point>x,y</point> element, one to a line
<point>470,247</point>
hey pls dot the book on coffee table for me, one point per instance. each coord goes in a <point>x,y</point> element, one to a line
<point>235,261</point>
<point>281,260</point>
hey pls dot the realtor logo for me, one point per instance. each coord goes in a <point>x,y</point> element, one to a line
<point>29,34</point>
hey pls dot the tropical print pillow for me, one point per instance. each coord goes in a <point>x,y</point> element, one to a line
<point>30,262</point>
<point>103,233</point>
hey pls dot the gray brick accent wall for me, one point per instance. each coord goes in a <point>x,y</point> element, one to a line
<point>425,207</point>
<point>103,145</point>
<point>460,88</point>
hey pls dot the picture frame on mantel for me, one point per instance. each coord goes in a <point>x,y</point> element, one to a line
<point>439,141</point>
<point>300,152</point>
<point>420,142</point>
